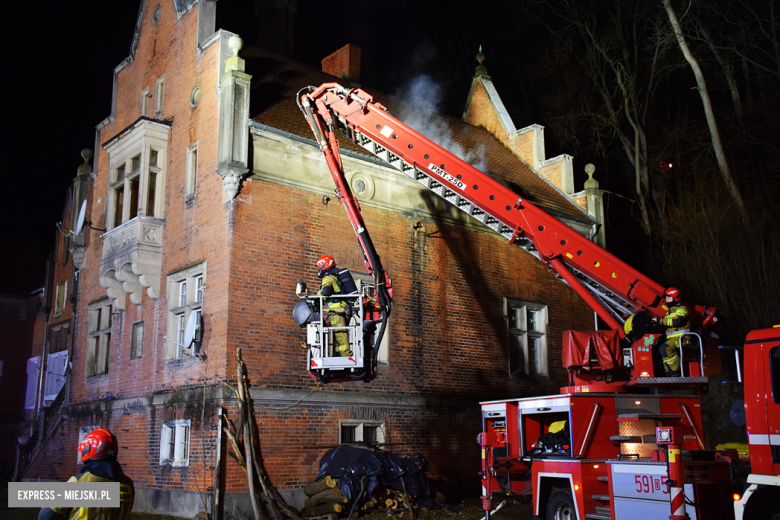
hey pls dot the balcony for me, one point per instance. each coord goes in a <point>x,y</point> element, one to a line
<point>132,260</point>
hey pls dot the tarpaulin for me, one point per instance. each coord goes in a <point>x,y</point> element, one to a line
<point>580,347</point>
<point>350,462</point>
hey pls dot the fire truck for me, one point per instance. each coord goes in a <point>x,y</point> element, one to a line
<point>610,445</point>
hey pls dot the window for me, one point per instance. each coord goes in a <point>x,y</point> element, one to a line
<point>383,356</point>
<point>58,337</point>
<point>137,172</point>
<point>159,92</point>
<point>527,323</point>
<point>190,180</point>
<point>144,102</point>
<point>99,321</point>
<point>175,443</point>
<point>61,297</point>
<point>372,432</point>
<point>83,431</point>
<point>137,340</point>
<point>127,188</point>
<point>186,290</point>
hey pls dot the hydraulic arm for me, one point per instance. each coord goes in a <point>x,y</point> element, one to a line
<point>612,288</point>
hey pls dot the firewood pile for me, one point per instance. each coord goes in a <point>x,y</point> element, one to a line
<point>326,499</point>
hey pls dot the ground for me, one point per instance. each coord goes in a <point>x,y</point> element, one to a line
<point>466,510</point>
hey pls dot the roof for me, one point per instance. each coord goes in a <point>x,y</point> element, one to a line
<point>276,81</point>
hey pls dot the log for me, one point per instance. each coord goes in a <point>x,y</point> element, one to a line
<point>314,487</point>
<point>328,496</point>
<point>329,500</point>
<point>323,509</point>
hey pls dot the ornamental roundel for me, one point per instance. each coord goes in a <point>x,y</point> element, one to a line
<point>362,186</point>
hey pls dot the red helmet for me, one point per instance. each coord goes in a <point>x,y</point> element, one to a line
<point>324,263</point>
<point>674,293</point>
<point>97,443</point>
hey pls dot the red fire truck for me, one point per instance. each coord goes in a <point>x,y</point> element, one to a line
<point>609,446</point>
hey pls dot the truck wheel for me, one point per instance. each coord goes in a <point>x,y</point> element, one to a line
<point>561,506</point>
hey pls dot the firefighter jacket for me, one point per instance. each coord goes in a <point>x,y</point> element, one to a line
<point>677,319</point>
<point>330,283</point>
<point>105,469</point>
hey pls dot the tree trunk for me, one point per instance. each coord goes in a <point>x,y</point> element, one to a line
<point>708,112</point>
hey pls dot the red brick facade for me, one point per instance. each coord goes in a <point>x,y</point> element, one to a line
<point>448,336</point>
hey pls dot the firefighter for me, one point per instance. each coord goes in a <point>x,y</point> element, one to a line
<point>338,309</point>
<point>676,321</point>
<point>98,451</point>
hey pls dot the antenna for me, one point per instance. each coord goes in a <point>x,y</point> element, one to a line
<point>82,215</point>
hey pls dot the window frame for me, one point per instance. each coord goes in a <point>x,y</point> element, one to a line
<point>144,105</point>
<point>175,440</point>
<point>136,346</point>
<point>159,95</point>
<point>191,175</point>
<point>100,324</point>
<point>186,302</point>
<point>516,315</point>
<point>60,298</point>
<point>360,428</point>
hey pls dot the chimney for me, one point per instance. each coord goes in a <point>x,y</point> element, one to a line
<point>344,64</point>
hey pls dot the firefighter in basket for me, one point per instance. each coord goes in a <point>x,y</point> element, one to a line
<point>676,321</point>
<point>339,311</point>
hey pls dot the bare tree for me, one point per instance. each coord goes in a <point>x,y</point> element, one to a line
<point>709,113</point>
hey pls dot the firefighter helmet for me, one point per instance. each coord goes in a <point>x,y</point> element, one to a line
<point>97,443</point>
<point>673,293</point>
<point>324,263</point>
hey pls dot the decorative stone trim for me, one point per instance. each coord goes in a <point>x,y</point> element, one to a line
<point>132,260</point>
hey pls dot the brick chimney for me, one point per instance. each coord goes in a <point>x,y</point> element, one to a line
<point>344,63</point>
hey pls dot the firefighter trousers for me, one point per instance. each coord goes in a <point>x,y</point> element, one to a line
<point>337,317</point>
<point>670,354</point>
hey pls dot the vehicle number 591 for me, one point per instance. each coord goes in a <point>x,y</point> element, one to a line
<point>650,484</point>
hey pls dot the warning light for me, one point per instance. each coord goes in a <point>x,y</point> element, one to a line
<point>637,402</point>
<point>595,466</point>
<point>576,487</point>
<point>644,374</point>
<point>736,497</point>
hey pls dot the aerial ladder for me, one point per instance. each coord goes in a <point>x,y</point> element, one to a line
<point>612,288</point>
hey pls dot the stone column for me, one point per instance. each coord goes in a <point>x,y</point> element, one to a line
<point>232,158</point>
<point>595,198</point>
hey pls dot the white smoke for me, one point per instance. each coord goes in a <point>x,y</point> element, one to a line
<point>423,101</point>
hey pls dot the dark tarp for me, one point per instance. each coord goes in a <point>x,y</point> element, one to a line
<point>350,462</point>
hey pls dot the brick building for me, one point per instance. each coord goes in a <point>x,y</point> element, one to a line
<point>214,201</point>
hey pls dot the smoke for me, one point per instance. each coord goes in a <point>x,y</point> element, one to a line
<point>423,98</point>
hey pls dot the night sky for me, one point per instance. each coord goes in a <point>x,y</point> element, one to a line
<point>64,54</point>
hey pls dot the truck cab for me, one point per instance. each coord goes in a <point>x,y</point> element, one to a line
<point>761,499</point>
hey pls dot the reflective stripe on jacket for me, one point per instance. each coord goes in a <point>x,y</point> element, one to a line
<point>677,318</point>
